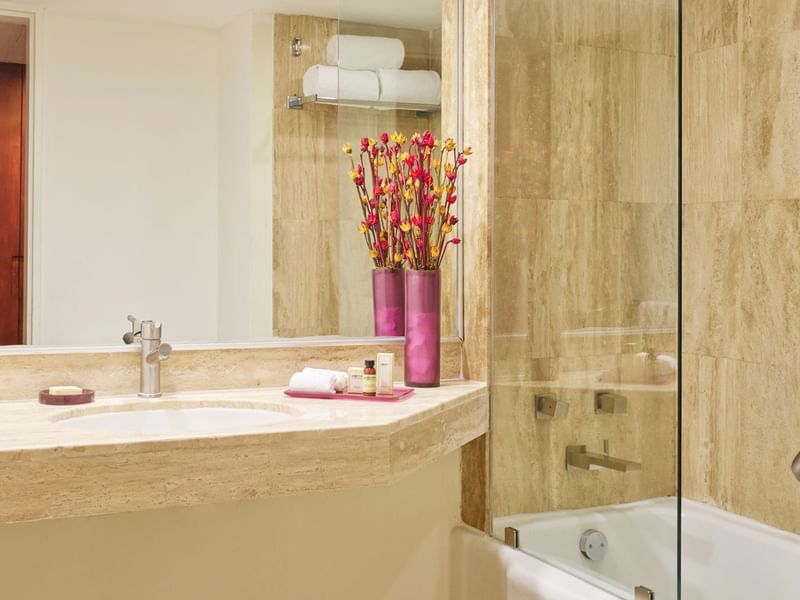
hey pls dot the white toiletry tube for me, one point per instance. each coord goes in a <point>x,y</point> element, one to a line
<point>385,373</point>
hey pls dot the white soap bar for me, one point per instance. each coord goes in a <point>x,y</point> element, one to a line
<point>64,390</point>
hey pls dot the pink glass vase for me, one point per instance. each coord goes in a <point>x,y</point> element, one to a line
<point>388,302</point>
<point>423,318</point>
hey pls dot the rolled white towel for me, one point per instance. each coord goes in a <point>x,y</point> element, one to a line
<point>423,87</point>
<point>364,52</point>
<point>343,84</point>
<point>668,361</point>
<point>313,383</point>
<point>340,377</point>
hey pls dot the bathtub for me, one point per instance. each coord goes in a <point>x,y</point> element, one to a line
<point>724,556</point>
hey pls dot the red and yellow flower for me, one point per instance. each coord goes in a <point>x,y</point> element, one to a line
<point>407,189</point>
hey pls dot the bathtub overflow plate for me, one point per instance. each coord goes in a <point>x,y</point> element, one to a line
<point>593,544</point>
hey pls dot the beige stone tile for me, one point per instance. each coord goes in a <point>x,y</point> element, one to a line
<point>525,21</point>
<point>522,100</point>
<point>646,86</point>
<point>699,412</point>
<point>305,294</point>
<point>585,124</point>
<point>713,255</point>
<point>305,143</point>
<point>306,163</point>
<point>650,262</point>
<point>647,26</point>
<point>741,291</point>
<point>584,274</point>
<point>764,18</point>
<point>560,270</point>
<point>747,408</point>
<point>613,130</point>
<point>530,474</point>
<point>521,230</point>
<point>477,102</point>
<point>770,73</point>
<point>23,375</point>
<point>514,361</point>
<point>769,285</point>
<point>712,127</point>
<point>710,24</point>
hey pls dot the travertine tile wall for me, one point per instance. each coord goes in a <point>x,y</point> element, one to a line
<point>742,257</point>
<point>22,375</point>
<point>305,219</point>
<point>477,94</point>
<point>584,232</point>
<point>321,271</point>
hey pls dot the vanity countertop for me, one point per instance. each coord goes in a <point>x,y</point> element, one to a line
<point>48,470</point>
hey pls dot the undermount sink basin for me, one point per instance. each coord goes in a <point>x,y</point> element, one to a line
<point>162,419</point>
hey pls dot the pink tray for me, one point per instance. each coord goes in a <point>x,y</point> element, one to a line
<point>85,397</point>
<point>400,393</point>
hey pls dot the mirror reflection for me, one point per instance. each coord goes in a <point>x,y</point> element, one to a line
<point>153,163</point>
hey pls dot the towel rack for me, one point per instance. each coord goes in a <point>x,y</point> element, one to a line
<point>297,102</point>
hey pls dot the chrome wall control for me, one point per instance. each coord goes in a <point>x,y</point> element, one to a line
<point>154,352</point>
<point>796,466</point>
<point>610,403</point>
<point>643,593</point>
<point>512,537</point>
<point>593,544</point>
<point>579,458</point>
<point>297,46</point>
<point>548,407</point>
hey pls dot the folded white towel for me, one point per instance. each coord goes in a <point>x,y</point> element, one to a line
<point>313,383</point>
<point>423,87</point>
<point>340,377</point>
<point>364,52</point>
<point>332,82</point>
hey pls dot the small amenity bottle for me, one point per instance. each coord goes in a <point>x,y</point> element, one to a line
<point>370,379</point>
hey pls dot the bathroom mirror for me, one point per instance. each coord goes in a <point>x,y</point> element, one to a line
<point>157,170</point>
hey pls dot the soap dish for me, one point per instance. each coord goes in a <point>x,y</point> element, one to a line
<point>86,396</point>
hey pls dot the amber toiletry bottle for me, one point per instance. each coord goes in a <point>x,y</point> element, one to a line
<point>370,380</point>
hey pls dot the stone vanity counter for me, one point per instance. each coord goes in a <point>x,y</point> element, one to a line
<point>48,470</point>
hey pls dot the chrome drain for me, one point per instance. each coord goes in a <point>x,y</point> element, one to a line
<point>593,544</point>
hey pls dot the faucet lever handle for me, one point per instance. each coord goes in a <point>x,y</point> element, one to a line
<point>136,330</point>
<point>610,403</point>
<point>162,353</point>
<point>548,406</point>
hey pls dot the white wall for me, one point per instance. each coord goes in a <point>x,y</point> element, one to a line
<point>156,180</point>
<point>245,190</point>
<point>261,149</point>
<point>372,544</point>
<point>127,208</point>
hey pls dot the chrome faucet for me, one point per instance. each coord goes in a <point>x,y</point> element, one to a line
<point>154,352</point>
<point>796,466</point>
<point>579,457</point>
